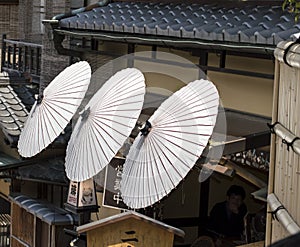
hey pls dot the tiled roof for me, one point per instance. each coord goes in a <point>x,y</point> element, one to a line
<point>47,212</point>
<point>266,25</point>
<point>16,100</point>
<point>15,103</point>
<point>45,170</point>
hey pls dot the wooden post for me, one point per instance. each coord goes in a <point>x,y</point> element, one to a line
<point>20,68</point>
<point>14,56</point>
<point>3,52</point>
<point>273,148</point>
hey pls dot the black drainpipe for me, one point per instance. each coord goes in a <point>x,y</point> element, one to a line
<point>58,38</point>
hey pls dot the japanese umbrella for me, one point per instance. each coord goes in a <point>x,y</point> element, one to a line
<point>170,143</point>
<point>105,124</point>
<point>54,109</point>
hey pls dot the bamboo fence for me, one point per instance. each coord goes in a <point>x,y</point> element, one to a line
<point>284,176</point>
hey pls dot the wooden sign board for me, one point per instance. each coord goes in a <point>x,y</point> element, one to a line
<point>112,194</point>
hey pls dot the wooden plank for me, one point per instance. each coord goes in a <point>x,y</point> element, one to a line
<point>256,244</point>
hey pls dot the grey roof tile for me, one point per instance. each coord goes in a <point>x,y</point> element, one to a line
<point>46,169</point>
<point>13,113</point>
<point>249,24</point>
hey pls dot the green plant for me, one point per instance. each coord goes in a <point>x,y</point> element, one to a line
<point>292,6</point>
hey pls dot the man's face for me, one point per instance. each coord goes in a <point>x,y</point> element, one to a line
<point>234,202</point>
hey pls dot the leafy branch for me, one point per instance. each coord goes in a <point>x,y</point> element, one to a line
<point>292,6</point>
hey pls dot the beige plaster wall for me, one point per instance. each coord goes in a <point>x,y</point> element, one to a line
<point>245,93</point>
<point>239,92</point>
<point>4,187</point>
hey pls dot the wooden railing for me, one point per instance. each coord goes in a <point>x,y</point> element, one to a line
<point>21,56</point>
<point>4,230</point>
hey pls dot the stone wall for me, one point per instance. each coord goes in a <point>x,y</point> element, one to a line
<point>9,21</point>
<point>52,62</point>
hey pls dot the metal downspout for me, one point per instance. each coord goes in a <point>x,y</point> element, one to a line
<point>58,38</point>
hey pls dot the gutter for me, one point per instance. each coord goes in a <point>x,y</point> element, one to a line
<point>23,163</point>
<point>166,41</point>
<point>59,35</point>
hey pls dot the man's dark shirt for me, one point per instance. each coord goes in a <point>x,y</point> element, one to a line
<point>226,223</point>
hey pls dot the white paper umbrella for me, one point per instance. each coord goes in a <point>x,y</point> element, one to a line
<point>104,125</point>
<point>170,144</point>
<point>54,109</point>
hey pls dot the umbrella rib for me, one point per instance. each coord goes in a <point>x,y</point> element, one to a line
<point>188,91</point>
<point>104,139</point>
<point>146,169</point>
<point>104,117</point>
<point>130,161</point>
<point>39,127</point>
<point>63,82</point>
<point>94,141</point>
<point>131,81</point>
<point>72,152</point>
<point>108,109</point>
<point>105,107</point>
<point>168,133</point>
<point>108,102</point>
<point>183,112</point>
<point>152,143</point>
<point>179,107</point>
<point>164,118</point>
<point>56,102</point>
<point>156,142</point>
<point>101,122</point>
<point>44,117</point>
<point>175,144</point>
<point>172,151</point>
<point>192,118</point>
<point>64,97</point>
<point>171,129</point>
<point>67,89</point>
<point>117,87</point>
<point>124,90</point>
<point>58,113</point>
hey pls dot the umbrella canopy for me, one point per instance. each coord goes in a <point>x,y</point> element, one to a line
<point>170,143</point>
<point>105,124</point>
<point>53,110</point>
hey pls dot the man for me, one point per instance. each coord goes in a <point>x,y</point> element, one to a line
<point>227,218</point>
